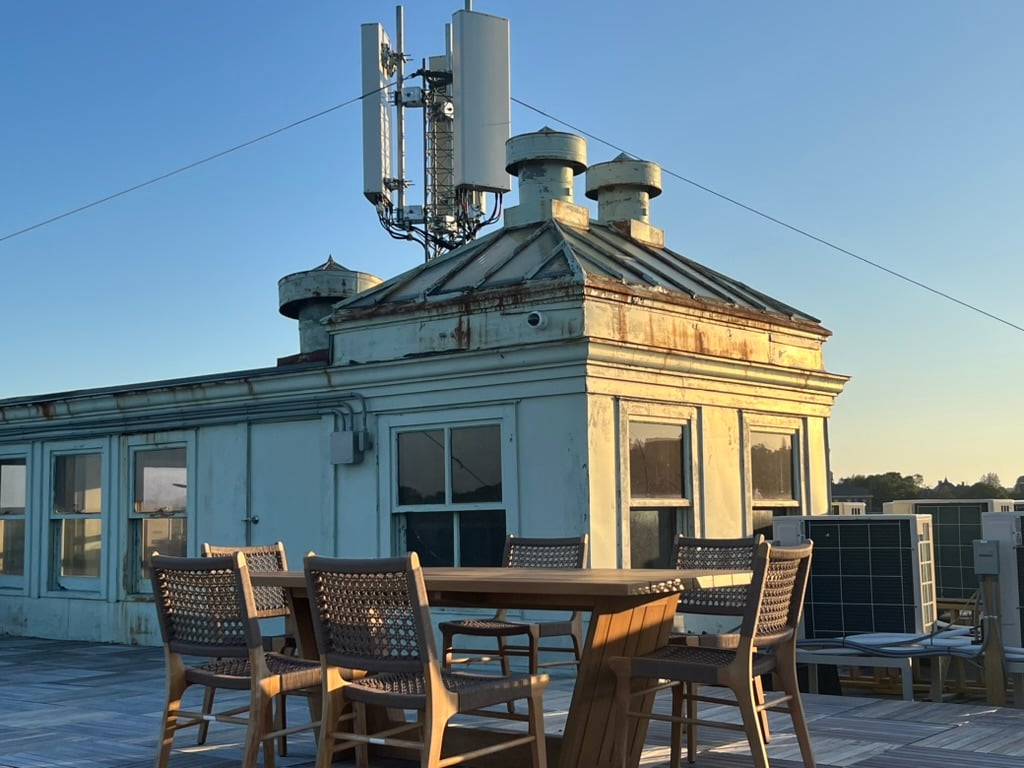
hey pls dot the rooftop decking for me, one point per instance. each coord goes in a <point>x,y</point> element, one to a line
<point>97,706</point>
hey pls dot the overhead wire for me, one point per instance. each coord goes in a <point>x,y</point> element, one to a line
<point>774,220</point>
<point>577,129</point>
<point>189,167</point>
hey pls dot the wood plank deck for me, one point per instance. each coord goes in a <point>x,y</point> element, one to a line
<point>97,706</point>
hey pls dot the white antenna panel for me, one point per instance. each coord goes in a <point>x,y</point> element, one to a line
<point>481,92</point>
<point>376,114</point>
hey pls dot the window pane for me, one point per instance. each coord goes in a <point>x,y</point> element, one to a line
<point>656,460</point>
<point>76,484</point>
<point>12,487</point>
<point>771,465</point>
<point>476,463</point>
<point>652,536</point>
<point>481,537</point>
<point>80,547</point>
<point>421,467</point>
<point>161,481</point>
<point>12,546</point>
<point>166,536</point>
<point>432,536</point>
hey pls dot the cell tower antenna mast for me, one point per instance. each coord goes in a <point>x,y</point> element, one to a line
<point>464,95</point>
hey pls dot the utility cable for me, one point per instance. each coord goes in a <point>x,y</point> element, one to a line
<point>600,140</point>
<point>781,223</point>
<point>189,167</point>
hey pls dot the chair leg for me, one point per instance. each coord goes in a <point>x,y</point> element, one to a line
<point>751,724</point>
<point>690,690</point>
<point>261,722</point>
<point>535,713</point>
<point>786,675</point>
<point>331,706</point>
<point>433,736</point>
<point>361,727</point>
<point>175,690</point>
<point>677,725</point>
<point>762,718</point>
<point>204,726</point>
<point>280,723</point>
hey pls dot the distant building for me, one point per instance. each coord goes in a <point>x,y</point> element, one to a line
<point>848,492</point>
<point>558,376</point>
<point>1018,488</point>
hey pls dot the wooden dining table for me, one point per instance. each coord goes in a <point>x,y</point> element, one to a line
<point>631,612</point>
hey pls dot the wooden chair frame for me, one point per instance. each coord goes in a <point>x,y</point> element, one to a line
<point>767,643</point>
<point>521,552</point>
<point>373,616</point>
<point>206,608</point>
<point>271,603</point>
<point>731,554</point>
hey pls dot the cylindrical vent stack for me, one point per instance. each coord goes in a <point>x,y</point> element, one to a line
<point>623,188</point>
<point>310,296</point>
<point>545,163</point>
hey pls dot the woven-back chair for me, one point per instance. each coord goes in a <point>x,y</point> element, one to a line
<point>373,616</point>
<point>271,603</point>
<point>727,600</point>
<point>767,643</point>
<point>207,609</point>
<point>522,552</point>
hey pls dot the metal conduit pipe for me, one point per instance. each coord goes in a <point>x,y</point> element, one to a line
<point>200,417</point>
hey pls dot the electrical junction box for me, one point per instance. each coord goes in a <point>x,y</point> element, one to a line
<point>413,214</point>
<point>986,558</point>
<point>346,447</point>
<point>412,96</point>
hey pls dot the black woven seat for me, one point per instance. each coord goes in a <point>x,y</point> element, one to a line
<point>207,608</point>
<point>766,643</point>
<point>522,553</point>
<point>373,616</point>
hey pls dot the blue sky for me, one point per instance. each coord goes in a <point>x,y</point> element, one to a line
<point>890,129</point>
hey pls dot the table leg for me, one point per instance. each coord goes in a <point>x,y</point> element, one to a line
<point>588,739</point>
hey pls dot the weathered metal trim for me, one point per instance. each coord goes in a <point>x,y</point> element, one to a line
<point>596,287</point>
<point>624,355</point>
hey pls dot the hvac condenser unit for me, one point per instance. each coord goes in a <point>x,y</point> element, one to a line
<point>957,523</point>
<point>1004,528</point>
<point>869,573</point>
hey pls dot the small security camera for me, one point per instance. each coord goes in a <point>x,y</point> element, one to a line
<point>536,320</point>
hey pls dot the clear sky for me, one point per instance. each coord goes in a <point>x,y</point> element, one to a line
<point>891,129</point>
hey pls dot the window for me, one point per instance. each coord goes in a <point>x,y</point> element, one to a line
<point>157,519</point>
<point>658,459</point>
<point>774,477</point>
<point>451,506</point>
<point>75,520</point>
<point>13,489</point>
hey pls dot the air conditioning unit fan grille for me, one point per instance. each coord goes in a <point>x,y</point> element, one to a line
<point>868,574</point>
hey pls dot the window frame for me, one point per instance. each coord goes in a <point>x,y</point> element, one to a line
<point>794,427</point>
<point>390,426</point>
<point>88,587</point>
<point>686,507</point>
<point>19,582</point>
<point>134,585</point>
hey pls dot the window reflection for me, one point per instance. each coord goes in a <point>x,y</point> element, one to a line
<point>655,460</point>
<point>421,467</point>
<point>476,463</point>
<point>771,465</point>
